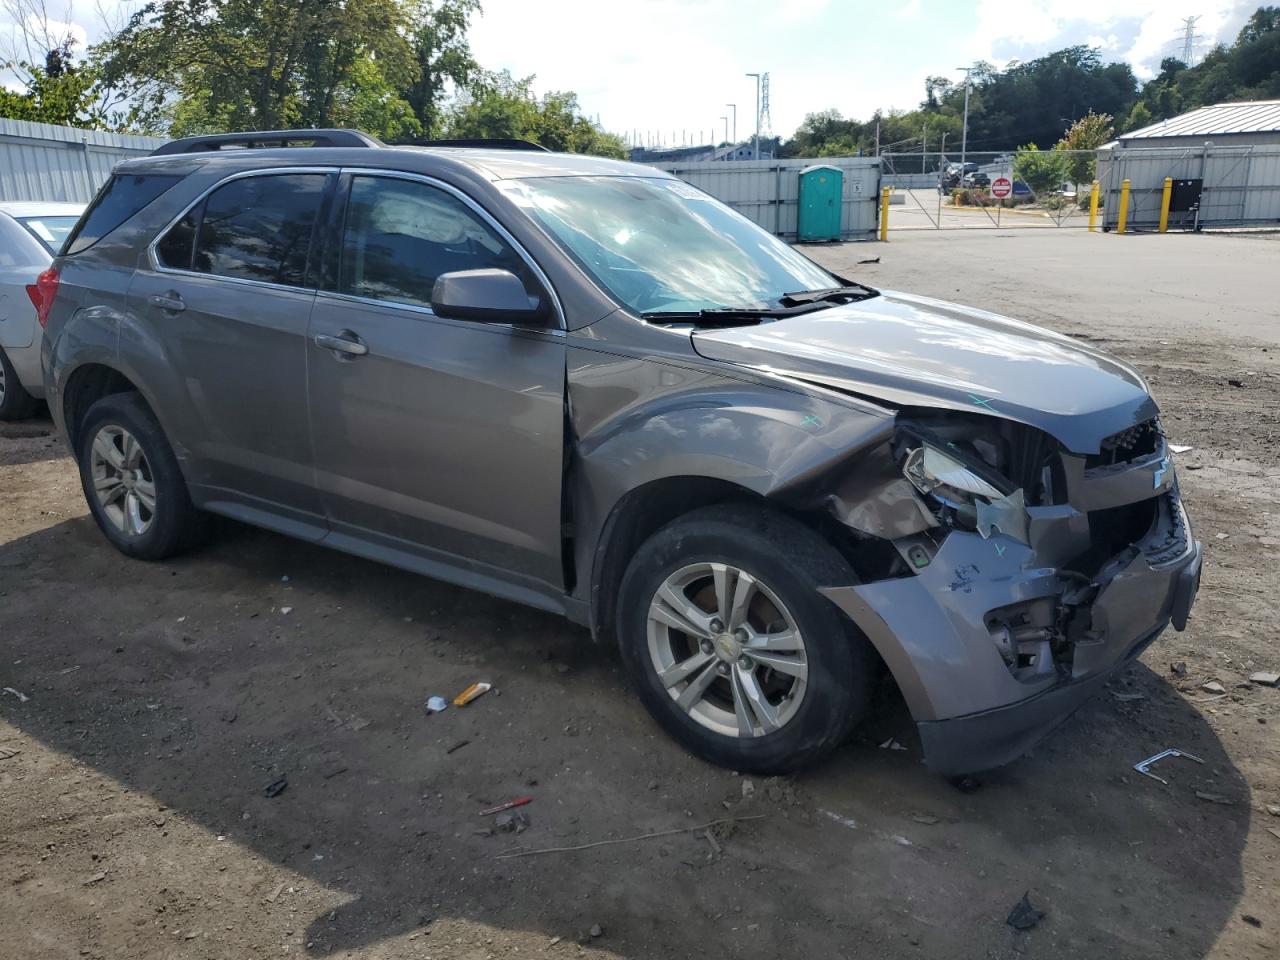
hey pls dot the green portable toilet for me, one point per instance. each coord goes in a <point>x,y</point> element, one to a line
<point>820,190</point>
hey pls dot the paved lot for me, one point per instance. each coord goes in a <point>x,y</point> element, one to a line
<point>162,699</point>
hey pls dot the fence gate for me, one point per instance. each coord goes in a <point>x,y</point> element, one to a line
<point>1009,189</point>
<point>768,191</point>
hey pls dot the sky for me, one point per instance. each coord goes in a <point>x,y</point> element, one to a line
<point>668,68</point>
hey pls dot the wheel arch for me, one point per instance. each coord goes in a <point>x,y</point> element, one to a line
<point>87,384</point>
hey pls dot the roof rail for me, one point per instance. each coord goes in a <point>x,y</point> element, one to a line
<point>497,143</point>
<point>266,139</point>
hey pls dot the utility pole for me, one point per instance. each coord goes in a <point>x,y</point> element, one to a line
<point>964,130</point>
<point>877,138</point>
<point>726,129</point>
<point>924,144</point>
<point>757,76</point>
<point>734,107</point>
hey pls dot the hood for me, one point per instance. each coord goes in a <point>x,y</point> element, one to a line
<point>905,350</point>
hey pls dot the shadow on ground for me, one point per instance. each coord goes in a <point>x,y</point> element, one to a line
<point>193,686</point>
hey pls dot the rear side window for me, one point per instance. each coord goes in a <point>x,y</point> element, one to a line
<point>121,197</point>
<point>254,228</point>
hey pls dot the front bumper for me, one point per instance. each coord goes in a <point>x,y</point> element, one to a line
<point>937,630</point>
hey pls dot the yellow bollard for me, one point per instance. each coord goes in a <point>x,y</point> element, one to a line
<point>1122,218</point>
<point>1164,204</point>
<point>1093,208</point>
<point>884,214</point>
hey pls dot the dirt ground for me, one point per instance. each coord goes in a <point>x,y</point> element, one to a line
<point>158,702</point>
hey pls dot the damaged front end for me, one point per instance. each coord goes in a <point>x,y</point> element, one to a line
<point>1004,577</point>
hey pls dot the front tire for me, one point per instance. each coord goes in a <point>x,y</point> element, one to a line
<point>132,481</point>
<point>731,647</point>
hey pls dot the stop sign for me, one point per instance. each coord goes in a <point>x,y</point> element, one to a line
<point>1001,187</point>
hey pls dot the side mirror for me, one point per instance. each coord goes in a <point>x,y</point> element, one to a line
<point>488,296</point>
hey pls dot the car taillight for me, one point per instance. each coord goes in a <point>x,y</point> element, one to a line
<point>42,293</point>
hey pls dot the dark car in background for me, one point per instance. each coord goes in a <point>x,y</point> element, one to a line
<point>588,387</point>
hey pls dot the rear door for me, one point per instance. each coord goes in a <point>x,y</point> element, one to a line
<point>441,439</point>
<point>228,295</point>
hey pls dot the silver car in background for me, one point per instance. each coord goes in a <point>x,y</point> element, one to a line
<point>31,234</point>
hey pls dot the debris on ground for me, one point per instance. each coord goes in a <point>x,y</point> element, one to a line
<point>437,704</point>
<point>1213,686</point>
<point>925,818</point>
<point>1178,668</point>
<point>286,610</point>
<point>748,789</point>
<point>872,260</point>
<point>1128,697</point>
<point>1144,766</point>
<point>1272,808</point>
<point>514,822</point>
<point>96,878</point>
<point>1251,920</point>
<point>696,828</point>
<point>1024,916</point>
<point>274,895</point>
<point>275,788</point>
<point>892,744</point>
<point>596,931</point>
<point>966,784</point>
<point>472,692</point>
<point>1274,832</point>
<point>1214,797</point>
<point>334,770</point>
<point>508,805</point>
<point>457,746</point>
<point>1265,677</point>
<point>1179,447</point>
<point>715,844</point>
<point>22,697</point>
<point>7,753</point>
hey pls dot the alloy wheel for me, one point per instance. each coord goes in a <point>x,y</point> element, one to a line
<point>727,650</point>
<point>122,480</point>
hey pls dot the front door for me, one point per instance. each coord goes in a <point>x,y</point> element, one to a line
<point>230,300</point>
<point>433,437</point>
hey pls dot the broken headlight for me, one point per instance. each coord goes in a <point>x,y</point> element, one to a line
<point>938,474</point>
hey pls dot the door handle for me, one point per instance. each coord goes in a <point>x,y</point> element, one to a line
<point>171,302</point>
<point>346,342</point>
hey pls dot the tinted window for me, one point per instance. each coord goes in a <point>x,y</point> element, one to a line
<point>258,228</point>
<point>401,235</point>
<point>121,197</point>
<point>176,247</point>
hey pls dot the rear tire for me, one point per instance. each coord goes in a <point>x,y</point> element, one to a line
<point>780,682</point>
<point>15,402</point>
<point>132,481</point>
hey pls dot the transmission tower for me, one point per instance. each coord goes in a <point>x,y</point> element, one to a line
<point>764,105</point>
<point>1189,39</point>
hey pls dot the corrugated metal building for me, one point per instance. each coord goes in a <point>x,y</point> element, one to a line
<point>1250,123</point>
<point>1224,161</point>
<point>41,161</point>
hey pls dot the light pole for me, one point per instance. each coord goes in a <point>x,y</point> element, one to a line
<point>726,129</point>
<point>757,151</point>
<point>734,108</point>
<point>964,129</point>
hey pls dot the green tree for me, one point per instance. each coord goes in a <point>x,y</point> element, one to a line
<point>1140,116</point>
<point>56,91</point>
<point>442,56</point>
<point>1044,171</point>
<point>1084,137</point>
<point>499,106</point>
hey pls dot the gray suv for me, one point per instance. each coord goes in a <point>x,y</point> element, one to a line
<point>588,387</point>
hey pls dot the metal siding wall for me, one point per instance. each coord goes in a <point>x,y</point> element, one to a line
<point>40,161</point>
<point>768,191</point>
<point>1241,183</point>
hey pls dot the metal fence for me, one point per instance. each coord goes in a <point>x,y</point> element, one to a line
<point>1008,189</point>
<point>768,191</point>
<point>40,161</point>
<point>1220,186</point>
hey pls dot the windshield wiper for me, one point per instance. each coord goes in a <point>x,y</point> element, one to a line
<point>848,293</point>
<point>717,316</point>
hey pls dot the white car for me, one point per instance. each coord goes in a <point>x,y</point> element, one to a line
<point>30,235</point>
